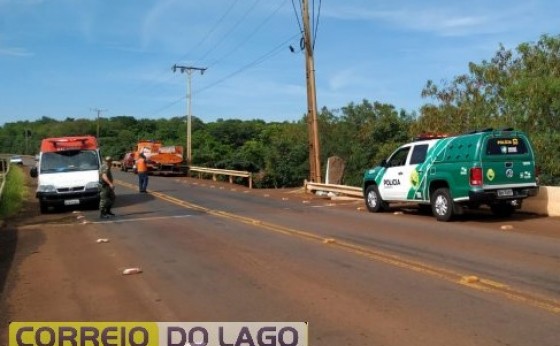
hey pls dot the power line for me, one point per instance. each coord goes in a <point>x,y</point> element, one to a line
<point>316,24</point>
<point>211,31</point>
<point>168,105</point>
<point>230,31</point>
<point>297,15</point>
<point>315,21</point>
<point>274,51</point>
<point>194,48</point>
<point>255,62</point>
<point>266,20</point>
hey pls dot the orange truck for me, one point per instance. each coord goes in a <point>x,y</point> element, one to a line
<point>67,172</point>
<point>160,159</point>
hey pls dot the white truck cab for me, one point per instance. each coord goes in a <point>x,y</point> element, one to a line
<point>68,172</point>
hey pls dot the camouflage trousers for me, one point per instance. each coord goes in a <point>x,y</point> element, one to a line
<point>106,198</point>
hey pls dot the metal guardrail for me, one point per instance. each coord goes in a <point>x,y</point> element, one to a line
<point>4,169</point>
<point>340,189</point>
<point>228,172</point>
<point>547,202</point>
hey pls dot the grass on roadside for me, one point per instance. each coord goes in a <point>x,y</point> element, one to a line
<point>14,192</point>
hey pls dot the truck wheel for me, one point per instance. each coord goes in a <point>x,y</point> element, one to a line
<point>442,204</point>
<point>373,200</point>
<point>502,209</point>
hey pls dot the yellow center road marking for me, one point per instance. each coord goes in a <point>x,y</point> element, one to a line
<point>466,280</point>
<point>112,220</point>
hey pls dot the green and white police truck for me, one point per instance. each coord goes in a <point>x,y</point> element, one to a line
<point>448,174</point>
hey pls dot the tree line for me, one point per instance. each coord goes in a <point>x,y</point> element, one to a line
<point>519,89</point>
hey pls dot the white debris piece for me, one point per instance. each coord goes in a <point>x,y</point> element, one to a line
<point>130,271</point>
<point>102,240</point>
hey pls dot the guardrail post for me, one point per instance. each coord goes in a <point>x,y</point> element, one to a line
<point>227,172</point>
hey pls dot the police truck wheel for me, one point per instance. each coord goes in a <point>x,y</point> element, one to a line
<point>442,204</point>
<point>373,200</point>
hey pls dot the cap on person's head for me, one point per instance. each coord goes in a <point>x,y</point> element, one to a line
<point>108,158</point>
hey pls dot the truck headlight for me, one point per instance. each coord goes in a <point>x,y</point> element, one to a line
<point>92,185</point>
<point>46,188</point>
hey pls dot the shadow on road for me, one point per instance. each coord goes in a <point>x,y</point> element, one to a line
<point>128,199</point>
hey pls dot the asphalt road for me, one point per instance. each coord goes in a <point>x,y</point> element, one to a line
<point>220,252</point>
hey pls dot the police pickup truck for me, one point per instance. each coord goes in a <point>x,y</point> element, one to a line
<point>447,174</point>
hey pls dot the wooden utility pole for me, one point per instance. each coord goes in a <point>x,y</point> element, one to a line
<point>312,128</point>
<point>98,114</point>
<point>188,70</point>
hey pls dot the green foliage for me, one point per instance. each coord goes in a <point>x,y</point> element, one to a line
<point>14,192</point>
<point>361,134</point>
<point>286,161</point>
<point>518,90</point>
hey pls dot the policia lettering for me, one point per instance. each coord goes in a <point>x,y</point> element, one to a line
<point>391,182</point>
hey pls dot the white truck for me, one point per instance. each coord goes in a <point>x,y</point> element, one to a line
<point>68,172</point>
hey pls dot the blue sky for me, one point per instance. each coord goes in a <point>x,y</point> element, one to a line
<point>65,58</point>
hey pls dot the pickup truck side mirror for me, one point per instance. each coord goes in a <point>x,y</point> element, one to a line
<point>383,163</point>
<point>33,172</point>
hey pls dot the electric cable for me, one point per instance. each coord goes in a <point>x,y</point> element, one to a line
<point>316,25</point>
<point>230,31</point>
<point>255,62</point>
<point>266,20</point>
<point>274,51</point>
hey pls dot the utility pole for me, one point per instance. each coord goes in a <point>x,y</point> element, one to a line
<point>312,127</point>
<point>27,135</point>
<point>98,115</point>
<point>188,70</point>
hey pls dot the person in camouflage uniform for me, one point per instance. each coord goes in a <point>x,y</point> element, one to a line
<point>106,188</point>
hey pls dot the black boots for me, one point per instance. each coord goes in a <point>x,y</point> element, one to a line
<point>105,213</point>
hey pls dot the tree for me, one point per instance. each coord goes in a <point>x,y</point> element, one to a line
<point>517,90</point>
